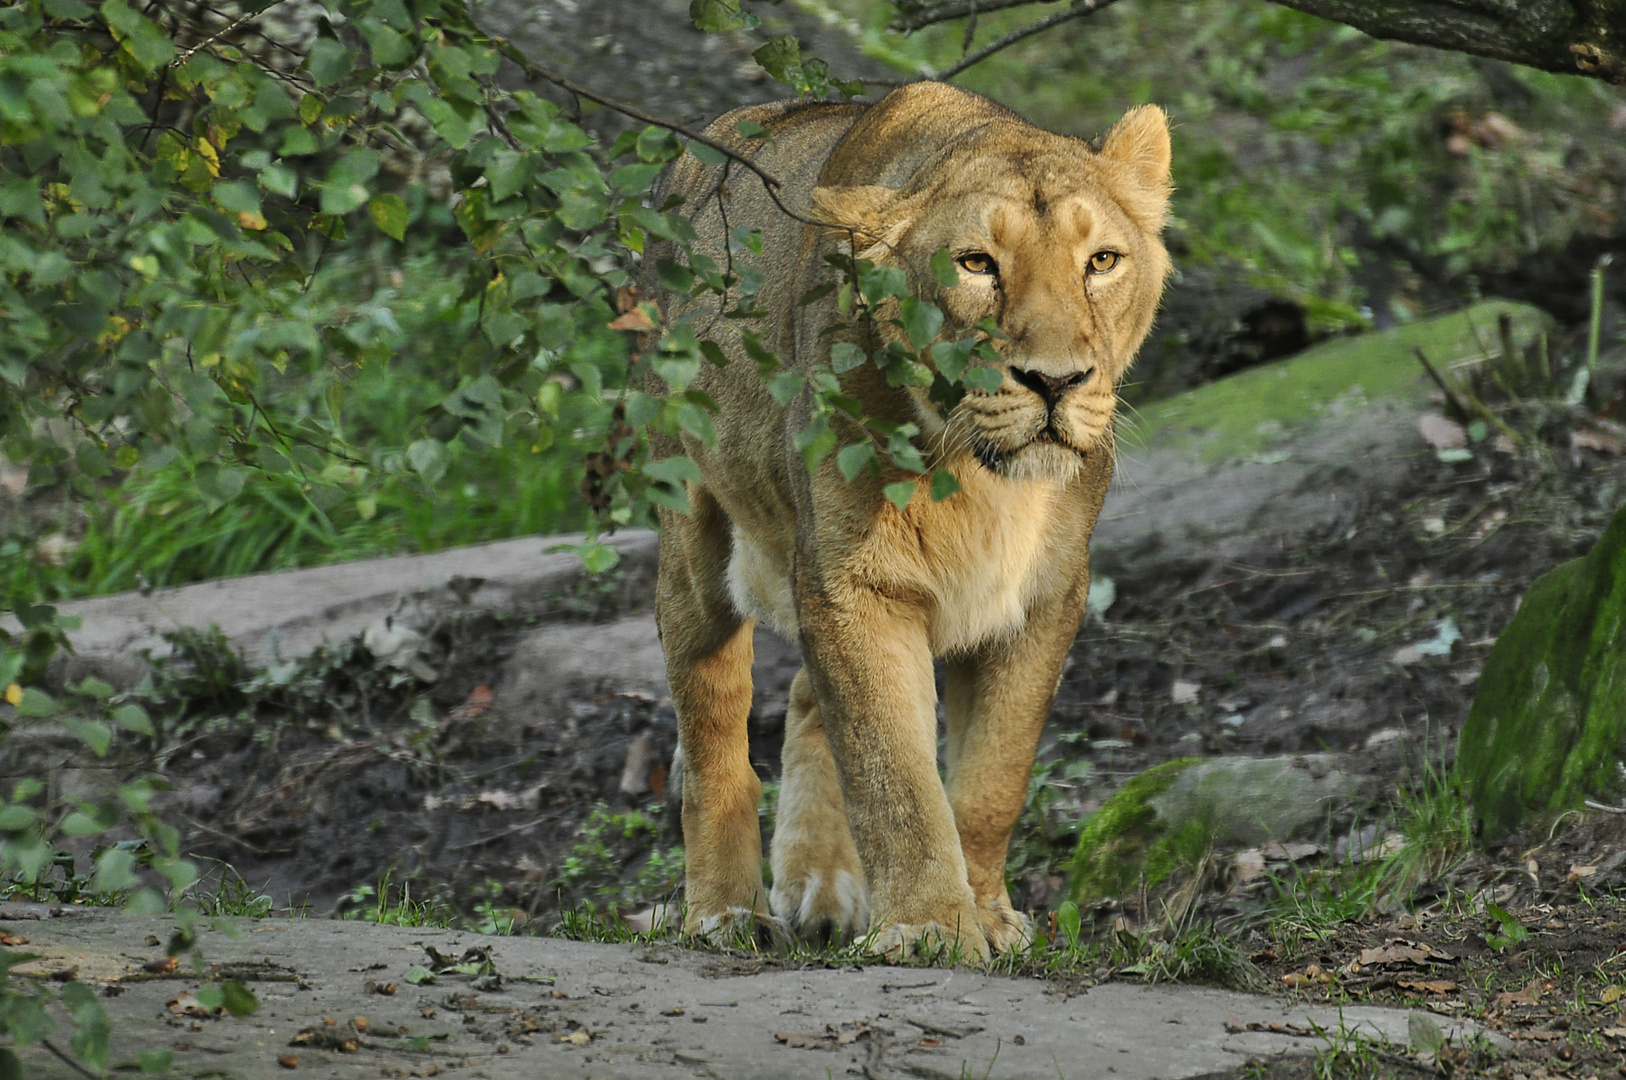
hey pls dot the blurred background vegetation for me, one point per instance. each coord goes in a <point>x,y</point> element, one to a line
<point>1328,182</point>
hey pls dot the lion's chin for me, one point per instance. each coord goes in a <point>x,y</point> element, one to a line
<point>1040,459</point>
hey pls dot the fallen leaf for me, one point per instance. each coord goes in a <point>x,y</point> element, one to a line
<point>575,1038</point>
<point>672,1012</point>
<point>1402,952</point>
<point>1615,1033</point>
<point>289,1061</point>
<point>1538,1035</point>
<point>386,989</point>
<point>152,939</point>
<point>162,966</point>
<point>830,1038</point>
<point>1612,994</point>
<point>187,1004</point>
<point>11,939</point>
<point>1601,441</point>
<point>361,1023</point>
<point>1530,995</point>
<point>1184,693</point>
<point>327,1037</point>
<point>1579,873</point>
<point>1296,852</point>
<point>1427,986</point>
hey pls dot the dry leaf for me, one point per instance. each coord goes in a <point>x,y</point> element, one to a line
<point>1400,952</point>
<point>361,1023</point>
<point>163,966</point>
<point>575,1038</point>
<point>1601,441</point>
<point>1615,1033</point>
<point>1612,994</point>
<point>1537,1035</point>
<point>1296,852</point>
<point>187,1004</point>
<point>11,939</point>
<point>1530,995</point>
<point>1428,986</point>
<point>289,1061</point>
<point>327,1037</point>
<point>1579,873</point>
<point>829,1039</point>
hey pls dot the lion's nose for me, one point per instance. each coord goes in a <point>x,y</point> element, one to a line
<point>1050,387</point>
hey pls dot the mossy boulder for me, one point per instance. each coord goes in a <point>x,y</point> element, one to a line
<point>1548,725</point>
<point>1167,817</point>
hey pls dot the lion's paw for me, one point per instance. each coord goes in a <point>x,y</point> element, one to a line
<point>1006,929</point>
<point>831,904</point>
<point>736,926</point>
<point>931,941</point>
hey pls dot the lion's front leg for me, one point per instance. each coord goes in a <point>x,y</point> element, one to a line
<point>996,703</point>
<point>818,880</point>
<point>872,674</point>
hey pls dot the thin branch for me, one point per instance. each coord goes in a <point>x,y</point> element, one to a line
<point>930,14</point>
<point>503,46</point>
<point>68,1061</point>
<point>222,32</point>
<point>1087,7</point>
<point>770,183</point>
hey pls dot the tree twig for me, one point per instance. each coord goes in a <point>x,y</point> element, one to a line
<point>1451,397</point>
<point>770,183</point>
<point>930,14</point>
<point>1086,7</point>
<point>68,1061</point>
<point>530,68</point>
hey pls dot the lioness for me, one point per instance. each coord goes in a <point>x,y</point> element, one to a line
<point>1060,244</point>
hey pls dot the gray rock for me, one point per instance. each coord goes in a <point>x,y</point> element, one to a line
<point>1248,801</point>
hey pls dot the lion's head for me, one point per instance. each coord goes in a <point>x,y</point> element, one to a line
<point>1057,242</point>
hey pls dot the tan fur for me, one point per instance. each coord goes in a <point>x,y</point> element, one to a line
<point>993,579</point>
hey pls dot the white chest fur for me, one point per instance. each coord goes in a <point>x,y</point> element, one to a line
<point>971,564</point>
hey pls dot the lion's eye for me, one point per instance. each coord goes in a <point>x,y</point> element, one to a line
<point>1103,261</point>
<point>977,262</point>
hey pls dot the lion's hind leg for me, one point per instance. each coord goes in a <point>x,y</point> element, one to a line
<point>818,882</point>
<point>708,664</point>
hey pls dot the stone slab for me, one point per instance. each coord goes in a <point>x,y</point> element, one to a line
<point>638,1011</point>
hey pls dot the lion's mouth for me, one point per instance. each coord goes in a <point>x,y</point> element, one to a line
<point>997,459</point>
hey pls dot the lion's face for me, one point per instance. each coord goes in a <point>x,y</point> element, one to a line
<point>1059,246</point>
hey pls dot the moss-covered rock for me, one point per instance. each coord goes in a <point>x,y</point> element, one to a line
<point>1165,818</point>
<point>1548,725</point>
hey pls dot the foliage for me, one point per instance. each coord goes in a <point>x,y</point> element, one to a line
<point>1334,167</point>
<point>619,862</point>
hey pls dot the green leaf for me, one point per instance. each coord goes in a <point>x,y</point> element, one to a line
<point>944,271</point>
<point>93,733</point>
<point>132,717</point>
<point>418,975</point>
<point>211,996</point>
<point>781,57</point>
<point>693,420</point>
<point>17,818</point>
<point>1069,922</point>
<point>36,703</point>
<point>899,493</point>
<point>329,61</point>
<point>674,470</point>
<point>345,187</point>
<point>93,687</point>
<point>390,213</point>
<point>944,484</point>
<point>239,999</point>
<point>786,385</point>
<point>845,356</point>
<point>951,357</point>
<point>597,558</point>
<point>155,1062</point>
<point>714,15</point>
<point>983,378</point>
<point>11,1068</point>
<point>389,49</point>
<point>921,321</point>
<point>149,45</point>
<point>855,458</point>
<point>428,458</point>
<point>115,871</point>
<point>92,1036</point>
<point>706,154</point>
<point>81,824</point>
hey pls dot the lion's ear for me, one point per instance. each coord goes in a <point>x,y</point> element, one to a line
<point>874,212</point>
<point>1141,141</point>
